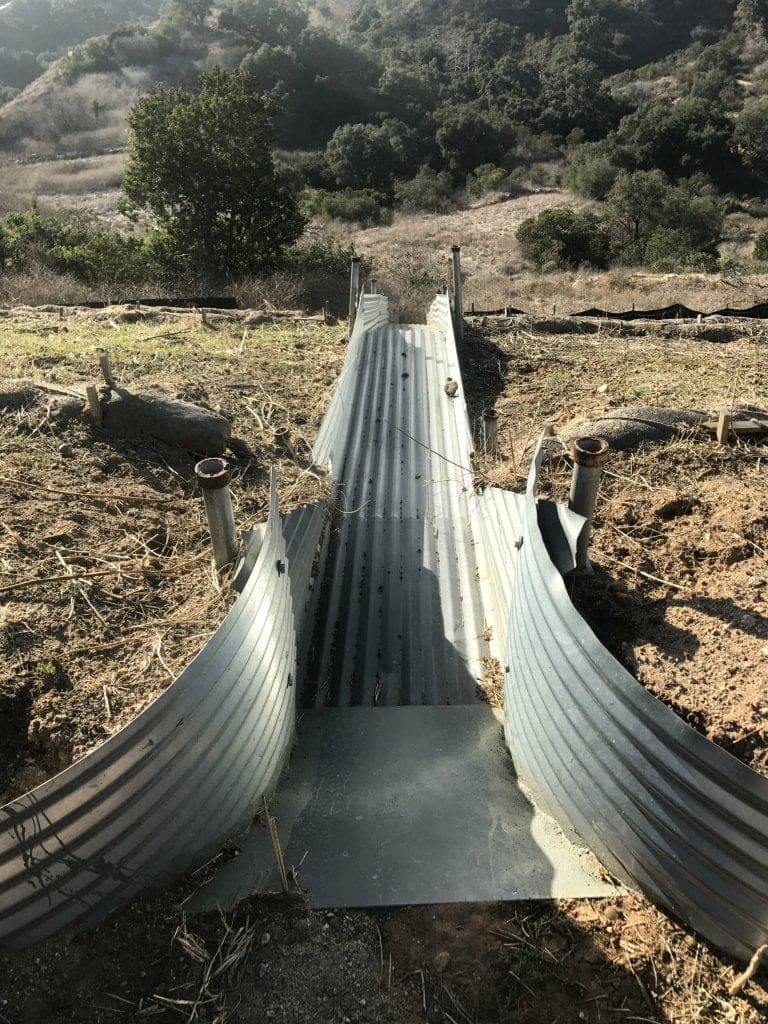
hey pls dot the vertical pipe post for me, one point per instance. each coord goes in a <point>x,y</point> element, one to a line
<point>374,285</point>
<point>213,476</point>
<point>590,454</point>
<point>490,432</point>
<point>354,292</point>
<point>458,292</point>
<point>94,406</point>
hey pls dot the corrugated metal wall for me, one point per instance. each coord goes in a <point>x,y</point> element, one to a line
<point>399,619</point>
<point>658,803</point>
<point>164,792</point>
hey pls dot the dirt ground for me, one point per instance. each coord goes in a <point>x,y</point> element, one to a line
<point>687,512</point>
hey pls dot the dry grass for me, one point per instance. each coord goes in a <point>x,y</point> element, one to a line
<point>495,272</point>
<point>64,177</point>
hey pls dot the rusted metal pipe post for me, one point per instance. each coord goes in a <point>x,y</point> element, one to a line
<point>458,292</point>
<point>490,432</point>
<point>590,454</point>
<point>354,292</point>
<point>213,476</point>
<point>373,286</point>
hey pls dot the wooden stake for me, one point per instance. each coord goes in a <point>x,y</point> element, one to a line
<point>750,972</point>
<point>106,369</point>
<point>724,426</point>
<point>278,851</point>
<point>94,406</point>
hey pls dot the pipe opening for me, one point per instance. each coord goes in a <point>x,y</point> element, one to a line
<point>213,474</point>
<point>590,451</point>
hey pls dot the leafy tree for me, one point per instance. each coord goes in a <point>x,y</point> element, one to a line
<point>564,237</point>
<point>751,134</point>
<point>591,34</point>
<point>264,21</point>
<point>203,166</point>
<point>753,13</point>
<point>658,222</point>
<point>591,172</point>
<point>467,138</point>
<point>429,191</point>
<point>574,95</point>
<point>636,201</point>
<point>196,10</point>
<point>681,139</point>
<point>363,156</point>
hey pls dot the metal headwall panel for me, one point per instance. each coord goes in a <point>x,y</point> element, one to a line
<point>399,618</point>
<point>658,803</point>
<point>163,793</point>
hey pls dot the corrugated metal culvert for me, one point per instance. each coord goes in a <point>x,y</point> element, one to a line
<point>391,586</point>
<point>164,792</point>
<point>658,803</point>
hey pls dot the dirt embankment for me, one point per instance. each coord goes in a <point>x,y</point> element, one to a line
<point>106,587</point>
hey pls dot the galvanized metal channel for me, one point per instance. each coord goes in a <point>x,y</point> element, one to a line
<point>400,618</point>
<point>415,567</point>
<point>658,803</point>
<point>164,792</point>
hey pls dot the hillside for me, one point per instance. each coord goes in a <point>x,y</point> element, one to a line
<point>649,116</point>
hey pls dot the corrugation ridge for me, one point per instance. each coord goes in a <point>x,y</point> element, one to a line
<point>682,805</point>
<point>422,626</point>
<point>663,805</point>
<point>662,855</point>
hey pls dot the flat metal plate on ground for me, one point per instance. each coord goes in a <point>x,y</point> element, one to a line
<point>397,806</point>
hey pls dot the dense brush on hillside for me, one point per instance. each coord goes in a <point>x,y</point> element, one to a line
<point>415,105</point>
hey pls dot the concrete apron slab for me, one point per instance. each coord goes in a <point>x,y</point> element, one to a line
<point>407,805</point>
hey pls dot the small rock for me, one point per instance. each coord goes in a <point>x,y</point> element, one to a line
<point>764,651</point>
<point>613,914</point>
<point>756,582</point>
<point>603,389</point>
<point>265,938</point>
<point>441,961</point>
<point>66,452</point>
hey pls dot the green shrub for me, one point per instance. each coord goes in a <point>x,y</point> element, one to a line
<point>488,178</point>
<point>565,238</point>
<point>94,55</point>
<point>360,206</point>
<point>669,249</point>
<point>591,172</point>
<point>329,257</point>
<point>429,191</point>
<point>761,247</point>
